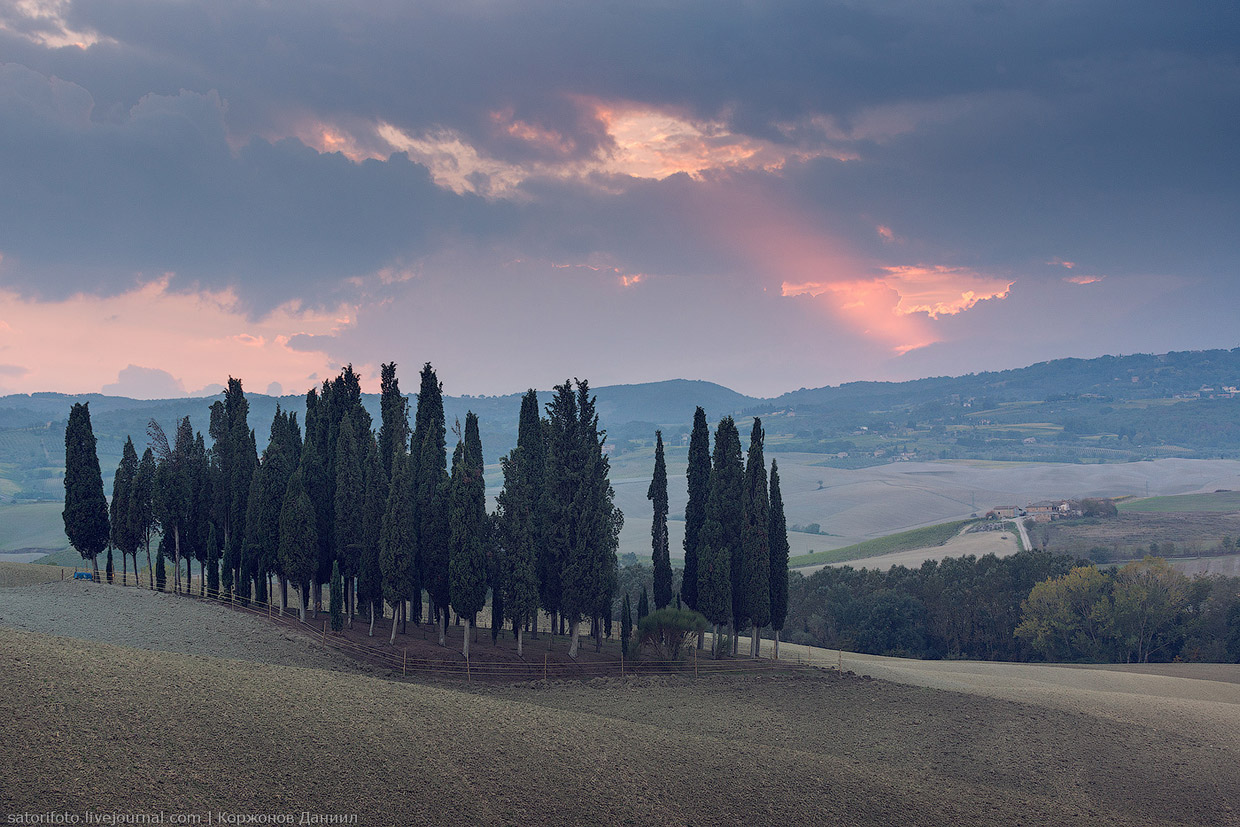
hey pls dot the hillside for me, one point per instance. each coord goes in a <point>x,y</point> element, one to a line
<point>748,748</point>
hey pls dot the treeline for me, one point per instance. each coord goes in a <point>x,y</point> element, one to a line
<point>1031,606</point>
<point>378,515</point>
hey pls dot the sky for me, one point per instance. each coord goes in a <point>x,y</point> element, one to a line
<point>765,195</point>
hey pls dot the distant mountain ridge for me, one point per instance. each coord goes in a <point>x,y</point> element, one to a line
<point>1100,410</point>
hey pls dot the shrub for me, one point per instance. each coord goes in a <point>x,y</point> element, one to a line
<point>668,630</point>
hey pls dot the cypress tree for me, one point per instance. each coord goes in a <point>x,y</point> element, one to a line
<point>428,455</point>
<point>756,576</point>
<point>141,515</point>
<point>779,558</point>
<point>299,541</point>
<point>643,606</point>
<point>369,575</point>
<point>86,508</point>
<point>496,572</point>
<point>517,508</point>
<point>336,599</point>
<point>396,540</point>
<point>173,492</point>
<point>469,526</point>
<point>626,623</point>
<point>350,504</point>
<point>235,457</point>
<point>123,537</point>
<point>660,554</point>
<point>198,523</point>
<point>262,521</point>
<point>698,474</point>
<point>394,414</point>
<point>721,531</point>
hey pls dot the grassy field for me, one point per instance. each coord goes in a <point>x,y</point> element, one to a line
<point>76,737</point>
<point>918,538</point>
<point>1219,501</point>
<point>32,526</point>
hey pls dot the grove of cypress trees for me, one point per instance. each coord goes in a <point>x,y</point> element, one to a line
<point>779,558</point>
<point>756,560</point>
<point>698,474</point>
<point>123,537</point>
<point>396,541</point>
<point>467,565</point>
<point>299,540</point>
<point>660,553</point>
<point>86,508</point>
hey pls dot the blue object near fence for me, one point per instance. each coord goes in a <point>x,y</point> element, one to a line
<point>83,575</point>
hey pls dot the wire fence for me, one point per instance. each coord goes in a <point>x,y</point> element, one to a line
<point>529,667</point>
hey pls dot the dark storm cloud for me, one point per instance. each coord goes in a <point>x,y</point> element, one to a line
<point>987,134</point>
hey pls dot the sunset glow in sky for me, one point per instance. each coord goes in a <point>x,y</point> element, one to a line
<point>768,196</point>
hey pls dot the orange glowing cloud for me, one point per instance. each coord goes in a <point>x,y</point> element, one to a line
<point>81,343</point>
<point>1059,262</point>
<point>1083,279</point>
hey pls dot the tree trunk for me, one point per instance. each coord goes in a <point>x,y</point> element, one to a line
<point>573,631</point>
<point>519,641</point>
<point>283,595</point>
<point>301,608</point>
<point>124,569</point>
<point>465,648</point>
<point>395,619</point>
<point>441,624</point>
<point>714,642</point>
<point>755,645</point>
<point>776,644</point>
<point>150,569</point>
<point>404,617</point>
<point>351,598</point>
<point>371,633</point>
<point>94,567</point>
<point>176,564</point>
<point>534,625</point>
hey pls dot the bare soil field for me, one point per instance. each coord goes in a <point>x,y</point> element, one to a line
<point>1190,532</point>
<point>94,726</point>
<point>977,543</point>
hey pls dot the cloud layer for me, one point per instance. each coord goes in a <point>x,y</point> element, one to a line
<point>765,195</point>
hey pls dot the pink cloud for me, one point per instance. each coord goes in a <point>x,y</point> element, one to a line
<point>196,339</point>
<point>1083,279</point>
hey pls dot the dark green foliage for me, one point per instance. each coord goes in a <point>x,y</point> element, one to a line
<point>496,568</point>
<point>397,538</point>
<point>469,525</point>
<point>369,574</point>
<point>174,487</point>
<point>428,456</point>
<point>124,538</point>
<point>141,515</point>
<point>213,562</point>
<point>394,412</point>
<point>586,522</point>
<point>299,541</point>
<point>262,522</point>
<point>350,499</point>
<point>336,599</point>
<point>161,573</point>
<point>626,623</point>
<point>516,511</point>
<point>234,457</point>
<point>669,630</point>
<point>698,475</point>
<point>778,540</point>
<point>660,554</point>
<point>643,606</point>
<point>722,531</point>
<point>756,538</point>
<point>86,508</point>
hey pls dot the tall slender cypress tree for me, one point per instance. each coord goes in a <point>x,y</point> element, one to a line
<point>721,531</point>
<point>394,414</point>
<point>698,474</point>
<point>467,565</point>
<point>756,577</point>
<point>369,574</point>
<point>428,455</point>
<point>350,507</point>
<point>123,537</point>
<point>779,558</point>
<point>142,510</point>
<point>299,541</point>
<point>396,542</point>
<point>660,553</point>
<point>86,508</point>
<point>516,509</point>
